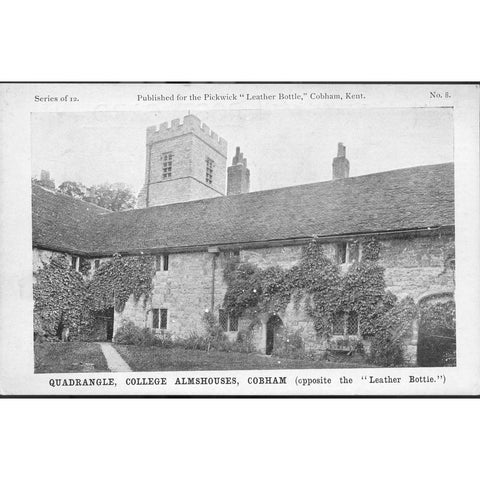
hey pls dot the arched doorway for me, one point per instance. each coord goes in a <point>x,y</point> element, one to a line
<point>274,327</point>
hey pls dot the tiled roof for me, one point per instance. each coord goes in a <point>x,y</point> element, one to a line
<point>406,199</point>
<point>59,222</point>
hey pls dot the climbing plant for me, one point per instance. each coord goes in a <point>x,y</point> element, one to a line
<point>59,295</point>
<point>272,289</point>
<point>364,289</point>
<point>115,280</point>
<point>317,281</point>
<point>65,298</point>
<point>391,330</point>
<point>436,336</point>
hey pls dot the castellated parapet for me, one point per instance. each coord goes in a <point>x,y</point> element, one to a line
<point>184,162</point>
<point>191,124</point>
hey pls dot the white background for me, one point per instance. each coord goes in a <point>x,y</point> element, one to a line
<point>173,438</point>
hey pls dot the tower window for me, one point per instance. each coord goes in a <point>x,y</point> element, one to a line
<point>209,171</point>
<point>97,264</point>
<point>167,159</point>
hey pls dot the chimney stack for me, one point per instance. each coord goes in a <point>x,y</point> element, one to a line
<point>46,181</point>
<point>340,164</point>
<point>238,175</point>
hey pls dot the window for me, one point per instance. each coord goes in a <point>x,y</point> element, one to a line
<point>352,325</point>
<point>159,318</point>
<point>342,253</point>
<point>232,254</point>
<point>347,252</point>
<point>155,319</point>
<point>75,262</point>
<point>97,264</point>
<point>223,319</point>
<point>209,172</point>
<point>163,318</point>
<point>161,262</point>
<point>226,323</point>
<point>233,324</point>
<point>353,252</point>
<point>346,325</point>
<point>167,159</point>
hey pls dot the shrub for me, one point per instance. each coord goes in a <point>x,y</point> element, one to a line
<point>130,334</point>
<point>391,331</point>
<point>289,344</point>
<point>193,341</point>
<point>244,341</point>
<point>436,336</point>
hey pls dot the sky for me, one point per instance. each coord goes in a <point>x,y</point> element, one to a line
<point>283,147</point>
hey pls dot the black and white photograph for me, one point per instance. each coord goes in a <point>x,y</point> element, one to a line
<point>243,239</point>
<point>260,240</point>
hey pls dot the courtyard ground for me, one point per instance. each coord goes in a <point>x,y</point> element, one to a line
<point>69,357</point>
<point>158,359</point>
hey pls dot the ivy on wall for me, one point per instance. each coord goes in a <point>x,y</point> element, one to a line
<point>327,295</point>
<point>115,280</point>
<point>391,331</point>
<point>363,290</point>
<point>59,294</point>
<point>64,298</point>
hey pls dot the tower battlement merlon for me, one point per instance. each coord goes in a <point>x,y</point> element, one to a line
<point>191,124</point>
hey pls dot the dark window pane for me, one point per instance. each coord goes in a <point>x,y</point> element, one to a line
<point>165,262</point>
<point>97,264</point>
<point>155,318</point>
<point>163,318</point>
<point>234,324</point>
<point>338,326</point>
<point>352,325</point>
<point>223,319</point>
<point>341,252</point>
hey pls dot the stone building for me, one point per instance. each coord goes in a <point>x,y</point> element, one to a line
<point>192,222</point>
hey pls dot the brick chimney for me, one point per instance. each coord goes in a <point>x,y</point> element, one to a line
<point>340,164</point>
<point>46,181</point>
<point>238,175</point>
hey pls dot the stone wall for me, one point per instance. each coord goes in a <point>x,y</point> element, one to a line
<point>190,143</point>
<point>40,256</point>
<point>184,290</point>
<point>413,266</point>
<point>416,266</point>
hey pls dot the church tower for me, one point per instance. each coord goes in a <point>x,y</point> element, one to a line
<point>184,162</point>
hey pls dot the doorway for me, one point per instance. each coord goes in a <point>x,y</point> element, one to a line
<point>104,320</point>
<point>274,326</point>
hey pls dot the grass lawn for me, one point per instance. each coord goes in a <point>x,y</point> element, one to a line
<point>66,357</point>
<point>158,359</point>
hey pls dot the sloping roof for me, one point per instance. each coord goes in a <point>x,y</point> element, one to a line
<point>59,221</point>
<point>410,198</point>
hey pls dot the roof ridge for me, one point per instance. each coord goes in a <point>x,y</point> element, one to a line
<point>60,194</point>
<point>259,192</point>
